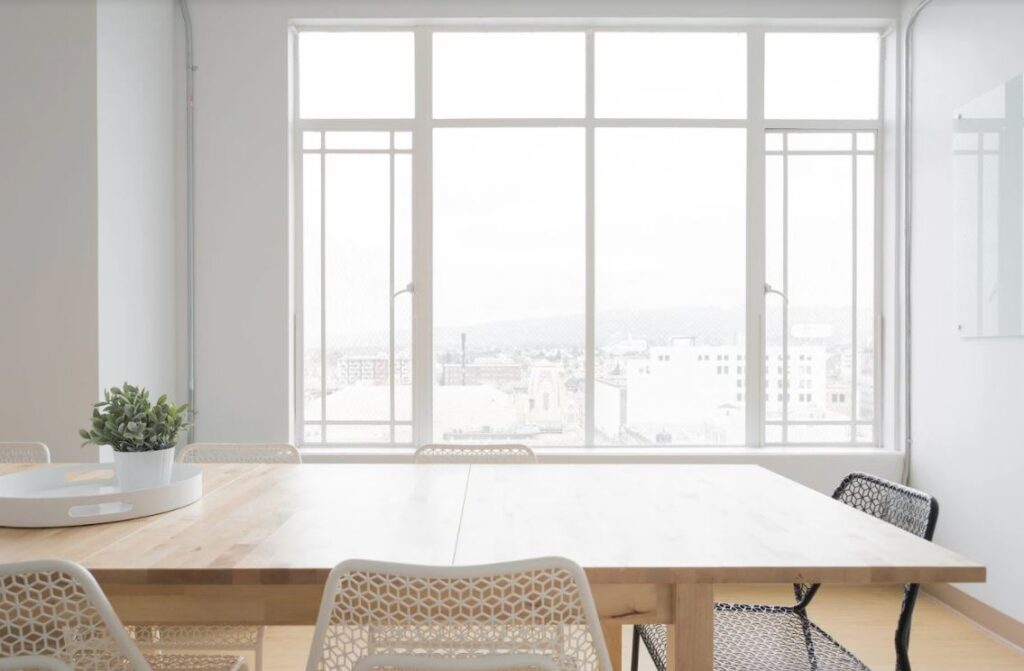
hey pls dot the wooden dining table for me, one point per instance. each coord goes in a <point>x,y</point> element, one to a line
<point>654,539</point>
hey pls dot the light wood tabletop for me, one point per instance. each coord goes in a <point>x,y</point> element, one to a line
<point>653,538</point>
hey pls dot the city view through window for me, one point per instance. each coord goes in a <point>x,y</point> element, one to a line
<point>645,228</point>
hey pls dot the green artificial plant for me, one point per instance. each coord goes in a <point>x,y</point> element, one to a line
<point>127,421</point>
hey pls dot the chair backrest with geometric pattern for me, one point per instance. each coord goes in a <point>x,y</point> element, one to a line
<point>909,509</point>
<point>240,453</point>
<point>54,608</point>
<point>511,453</point>
<point>24,453</point>
<point>535,607</point>
<point>488,663</point>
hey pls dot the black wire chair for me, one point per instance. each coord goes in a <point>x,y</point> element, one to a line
<point>783,638</point>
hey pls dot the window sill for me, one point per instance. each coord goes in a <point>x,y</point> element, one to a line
<point>616,454</point>
<point>820,468</point>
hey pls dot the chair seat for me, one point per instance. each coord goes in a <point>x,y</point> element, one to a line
<point>196,663</point>
<point>762,638</point>
<point>775,638</point>
<point>205,637</point>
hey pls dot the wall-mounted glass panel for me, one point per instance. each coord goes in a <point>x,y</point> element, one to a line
<point>988,175</point>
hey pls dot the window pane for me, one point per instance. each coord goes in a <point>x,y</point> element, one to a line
<point>820,142</point>
<point>487,75</point>
<point>670,286</point>
<point>312,359</point>
<point>670,75</point>
<point>353,75</point>
<point>865,345</point>
<point>509,284</point>
<point>357,140</point>
<point>821,75</point>
<point>820,273</point>
<point>357,278</point>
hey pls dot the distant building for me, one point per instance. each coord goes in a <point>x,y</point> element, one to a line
<point>495,373</point>
<point>687,393</point>
<point>371,370</point>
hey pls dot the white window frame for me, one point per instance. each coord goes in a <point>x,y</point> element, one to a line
<point>423,124</point>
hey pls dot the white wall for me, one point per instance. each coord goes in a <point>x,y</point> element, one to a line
<point>968,424</point>
<point>86,210</point>
<point>136,185</point>
<point>243,297</point>
<point>48,316</point>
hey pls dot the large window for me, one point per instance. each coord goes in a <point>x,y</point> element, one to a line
<point>550,236</point>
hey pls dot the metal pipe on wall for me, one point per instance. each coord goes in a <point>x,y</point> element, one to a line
<point>908,173</point>
<point>190,319</point>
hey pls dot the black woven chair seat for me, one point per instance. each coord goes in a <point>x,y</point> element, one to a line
<point>762,638</point>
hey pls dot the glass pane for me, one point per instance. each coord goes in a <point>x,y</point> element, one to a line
<point>820,142</point>
<point>311,140</point>
<point>312,433</point>
<point>821,75</point>
<point>670,286</point>
<point>403,277</point>
<point>820,434</point>
<point>509,285</point>
<point>356,75</point>
<point>865,349</point>
<point>820,286</point>
<point>865,141</point>
<point>403,140</point>
<point>358,286</point>
<point>773,141</point>
<point>488,75</point>
<point>359,434</point>
<point>403,434</point>
<point>670,75</point>
<point>312,360</point>
<point>357,140</point>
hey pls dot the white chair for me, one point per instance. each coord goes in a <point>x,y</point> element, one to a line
<point>534,607</point>
<point>488,663</point>
<point>54,611</point>
<point>218,638</point>
<point>24,453</point>
<point>240,453</point>
<point>475,454</point>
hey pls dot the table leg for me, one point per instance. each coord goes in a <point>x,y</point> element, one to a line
<point>691,647</point>
<point>612,630</point>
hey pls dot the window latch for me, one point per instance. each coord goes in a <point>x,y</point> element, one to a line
<point>407,290</point>
<point>768,289</point>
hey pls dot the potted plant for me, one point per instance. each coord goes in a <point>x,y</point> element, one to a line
<point>142,434</point>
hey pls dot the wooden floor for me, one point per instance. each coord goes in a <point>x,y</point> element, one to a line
<point>862,618</point>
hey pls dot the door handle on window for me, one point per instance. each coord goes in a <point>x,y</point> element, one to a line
<point>407,290</point>
<point>768,289</point>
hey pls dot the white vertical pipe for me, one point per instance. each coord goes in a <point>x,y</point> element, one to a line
<point>908,173</point>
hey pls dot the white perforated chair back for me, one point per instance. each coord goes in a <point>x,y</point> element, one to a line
<point>24,453</point>
<point>533,607</point>
<point>475,454</point>
<point>33,663</point>
<point>240,453</point>
<point>488,663</point>
<point>54,608</point>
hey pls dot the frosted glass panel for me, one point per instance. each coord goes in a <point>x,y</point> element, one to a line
<point>988,175</point>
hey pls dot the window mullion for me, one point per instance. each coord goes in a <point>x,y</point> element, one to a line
<point>755,331</point>
<point>422,244</point>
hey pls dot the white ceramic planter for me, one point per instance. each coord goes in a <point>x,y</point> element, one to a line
<point>143,470</point>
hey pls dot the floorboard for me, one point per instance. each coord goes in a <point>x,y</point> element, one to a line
<point>862,618</point>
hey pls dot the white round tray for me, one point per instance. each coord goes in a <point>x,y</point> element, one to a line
<point>75,494</point>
